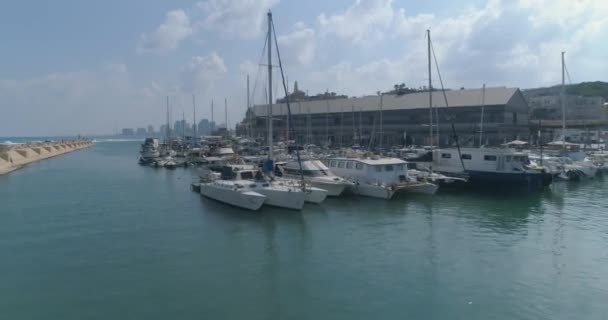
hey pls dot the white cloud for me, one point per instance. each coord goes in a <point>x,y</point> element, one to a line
<point>97,100</point>
<point>299,44</point>
<point>499,43</point>
<point>235,18</point>
<point>200,74</point>
<point>168,35</point>
<point>361,23</point>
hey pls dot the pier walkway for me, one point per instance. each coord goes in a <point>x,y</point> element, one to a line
<point>13,157</point>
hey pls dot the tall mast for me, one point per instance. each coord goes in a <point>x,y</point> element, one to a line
<point>327,117</point>
<point>563,101</point>
<point>270,143</point>
<point>381,119</point>
<point>341,125</point>
<point>428,32</point>
<point>354,125</point>
<point>167,133</point>
<point>249,115</point>
<point>226,116</point>
<point>194,115</point>
<point>483,104</point>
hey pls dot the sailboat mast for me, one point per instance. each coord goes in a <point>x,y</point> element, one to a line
<point>226,117</point>
<point>194,115</point>
<point>249,125</point>
<point>327,117</point>
<point>428,32</point>
<point>167,133</point>
<point>483,103</point>
<point>563,101</point>
<point>270,143</point>
<point>341,125</point>
<point>381,119</point>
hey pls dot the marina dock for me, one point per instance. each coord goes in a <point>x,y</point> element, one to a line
<point>13,157</point>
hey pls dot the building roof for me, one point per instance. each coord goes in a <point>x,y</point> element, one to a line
<point>456,98</point>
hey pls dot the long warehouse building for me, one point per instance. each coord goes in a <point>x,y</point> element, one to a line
<point>390,119</point>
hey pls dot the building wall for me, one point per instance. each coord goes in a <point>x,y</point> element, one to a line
<point>577,107</point>
<point>348,128</point>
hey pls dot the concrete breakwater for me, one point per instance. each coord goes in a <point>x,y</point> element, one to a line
<point>13,157</point>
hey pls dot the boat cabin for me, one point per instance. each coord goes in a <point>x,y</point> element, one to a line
<point>385,170</point>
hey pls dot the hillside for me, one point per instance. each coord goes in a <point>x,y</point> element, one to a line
<point>586,89</point>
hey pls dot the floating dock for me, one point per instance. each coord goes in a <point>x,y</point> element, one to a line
<point>13,157</point>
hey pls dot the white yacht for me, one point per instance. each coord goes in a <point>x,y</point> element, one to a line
<point>378,177</point>
<point>317,174</point>
<point>277,193</point>
<point>232,191</point>
<point>150,150</point>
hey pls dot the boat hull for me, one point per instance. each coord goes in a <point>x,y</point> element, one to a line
<point>315,195</point>
<point>522,181</point>
<point>373,191</point>
<point>249,200</point>
<point>333,189</point>
<point>423,187</point>
<point>283,197</point>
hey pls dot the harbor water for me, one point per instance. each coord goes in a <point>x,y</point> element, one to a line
<point>93,235</point>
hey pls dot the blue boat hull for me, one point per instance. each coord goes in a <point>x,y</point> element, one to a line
<point>521,181</point>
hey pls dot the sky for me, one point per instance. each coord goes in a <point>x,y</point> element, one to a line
<point>93,67</point>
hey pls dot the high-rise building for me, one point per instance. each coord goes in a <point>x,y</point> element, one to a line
<point>140,131</point>
<point>150,130</point>
<point>128,132</point>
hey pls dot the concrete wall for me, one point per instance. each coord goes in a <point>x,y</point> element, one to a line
<point>16,156</point>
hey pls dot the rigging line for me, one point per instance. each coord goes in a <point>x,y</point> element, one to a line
<point>258,73</point>
<point>445,97</point>
<point>287,99</point>
<point>567,73</point>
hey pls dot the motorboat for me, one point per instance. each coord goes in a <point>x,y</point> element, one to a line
<point>150,150</point>
<point>239,193</point>
<point>378,177</point>
<point>315,173</point>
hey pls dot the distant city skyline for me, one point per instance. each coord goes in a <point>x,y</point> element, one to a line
<point>96,67</point>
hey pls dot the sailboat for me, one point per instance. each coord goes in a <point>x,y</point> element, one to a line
<point>285,193</point>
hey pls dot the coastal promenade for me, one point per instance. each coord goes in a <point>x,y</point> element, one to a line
<point>13,157</point>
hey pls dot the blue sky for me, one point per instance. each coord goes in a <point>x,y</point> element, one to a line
<point>91,67</point>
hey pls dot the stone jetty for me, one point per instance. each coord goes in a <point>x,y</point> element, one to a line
<point>13,157</point>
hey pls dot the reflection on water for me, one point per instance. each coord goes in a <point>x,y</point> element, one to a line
<point>93,233</point>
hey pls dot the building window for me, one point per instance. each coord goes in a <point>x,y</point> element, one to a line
<point>466,156</point>
<point>332,164</point>
<point>389,167</point>
<point>489,158</point>
<point>378,168</point>
<point>341,164</point>
<point>446,156</point>
<point>399,167</point>
<point>349,165</point>
<point>359,166</point>
<point>508,159</point>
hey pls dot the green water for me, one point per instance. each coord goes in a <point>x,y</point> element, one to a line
<point>92,235</point>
